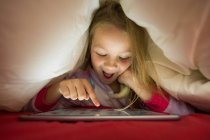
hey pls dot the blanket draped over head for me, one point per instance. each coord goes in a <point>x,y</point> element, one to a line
<point>40,40</point>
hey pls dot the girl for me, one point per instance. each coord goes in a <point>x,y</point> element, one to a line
<point>116,72</point>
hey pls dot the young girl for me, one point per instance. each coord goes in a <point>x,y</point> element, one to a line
<point>116,71</point>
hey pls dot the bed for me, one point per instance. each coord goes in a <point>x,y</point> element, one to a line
<point>192,127</point>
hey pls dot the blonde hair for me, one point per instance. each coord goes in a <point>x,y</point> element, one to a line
<point>111,12</point>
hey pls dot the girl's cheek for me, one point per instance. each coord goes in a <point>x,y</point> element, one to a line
<point>125,66</point>
<point>97,60</point>
<point>125,63</point>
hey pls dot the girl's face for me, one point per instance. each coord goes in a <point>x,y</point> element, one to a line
<point>110,52</point>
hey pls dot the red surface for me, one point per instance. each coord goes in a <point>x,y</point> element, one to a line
<point>193,127</point>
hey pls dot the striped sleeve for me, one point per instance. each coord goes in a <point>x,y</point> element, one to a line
<point>168,104</point>
<point>37,103</point>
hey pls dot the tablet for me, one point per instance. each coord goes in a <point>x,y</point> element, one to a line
<point>84,114</point>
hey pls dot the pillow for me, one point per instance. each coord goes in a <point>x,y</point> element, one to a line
<point>181,30</point>
<point>40,40</point>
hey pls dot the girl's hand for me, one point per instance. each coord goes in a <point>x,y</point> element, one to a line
<point>128,79</point>
<point>79,89</point>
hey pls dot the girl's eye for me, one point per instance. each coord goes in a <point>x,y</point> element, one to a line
<point>124,58</point>
<point>101,54</point>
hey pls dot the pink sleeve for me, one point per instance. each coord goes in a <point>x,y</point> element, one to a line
<point>39,104</point>
<point>168,104</point>
<point>157,102</point>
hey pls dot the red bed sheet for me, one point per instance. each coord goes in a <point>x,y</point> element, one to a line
<point>192,127</point>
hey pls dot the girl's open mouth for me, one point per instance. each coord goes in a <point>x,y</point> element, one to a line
<point>107,76</point>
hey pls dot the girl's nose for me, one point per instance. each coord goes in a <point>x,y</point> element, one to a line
<point>110,65</point>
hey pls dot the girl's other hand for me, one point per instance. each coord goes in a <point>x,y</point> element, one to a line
<point>127,78</point>
<point>79,89</point>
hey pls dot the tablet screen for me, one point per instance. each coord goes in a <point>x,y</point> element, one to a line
<point>78,114</point>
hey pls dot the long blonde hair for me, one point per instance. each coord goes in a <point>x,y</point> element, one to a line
<point>111,12</point>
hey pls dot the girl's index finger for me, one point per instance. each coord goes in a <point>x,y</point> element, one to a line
<point>91,93</point>
<point>94,99</point>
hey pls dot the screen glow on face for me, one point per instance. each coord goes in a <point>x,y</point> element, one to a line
<point>110,52</point>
